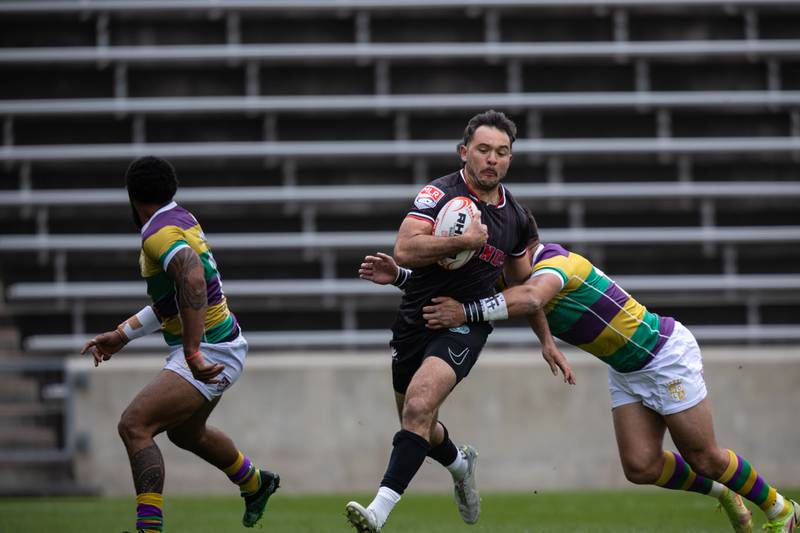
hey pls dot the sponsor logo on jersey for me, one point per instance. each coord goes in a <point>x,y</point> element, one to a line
<point>428,197</point>
<point>459,357</point>
<point>675,388</point>
<point>463,329</point>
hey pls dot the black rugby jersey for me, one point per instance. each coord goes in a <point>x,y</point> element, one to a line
<point>509,233</point>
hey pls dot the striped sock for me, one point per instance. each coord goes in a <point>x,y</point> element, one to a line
<point>678,475</point>
<point>245,474</point>
<point>149,517</point>
<point>741,477</point>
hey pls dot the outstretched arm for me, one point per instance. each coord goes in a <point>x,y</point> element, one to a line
<point>103,346</point>
<point>521,300</point>
<point>186,271</point>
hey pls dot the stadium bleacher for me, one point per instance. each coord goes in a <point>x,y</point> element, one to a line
<point>660,138</point>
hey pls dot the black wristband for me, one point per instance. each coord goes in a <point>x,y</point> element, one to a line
<point>403,275</point>
<point>473,311</point>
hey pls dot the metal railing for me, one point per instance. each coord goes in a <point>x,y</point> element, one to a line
<point>715,190</point>
<point>371,240</point>
<point>159,6</point>
<point>376,338</point>
<point>370,103</point>
<point>417,52</point>
<point>300,150</point>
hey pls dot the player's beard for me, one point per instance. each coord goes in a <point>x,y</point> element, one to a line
<point>136,219</point>
<point>488,183</point>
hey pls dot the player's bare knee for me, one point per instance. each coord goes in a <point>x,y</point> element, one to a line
<point>640,472</point>
<point>418,415</point>
<point>130,428</point>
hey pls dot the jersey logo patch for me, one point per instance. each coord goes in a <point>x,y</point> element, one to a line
<point>458,358</point>
<point>463,329</point>
<point>676,390</point>
<point>428,197</point>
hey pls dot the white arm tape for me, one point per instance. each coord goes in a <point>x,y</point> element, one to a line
<point>142,323</point>
<point>494,307</point>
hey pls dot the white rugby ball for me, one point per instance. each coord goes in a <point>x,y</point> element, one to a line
<point>454,219</point>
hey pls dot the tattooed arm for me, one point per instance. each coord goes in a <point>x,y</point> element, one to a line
<point>186,271</point>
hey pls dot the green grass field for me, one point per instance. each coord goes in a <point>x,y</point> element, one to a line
<point>640,511</point>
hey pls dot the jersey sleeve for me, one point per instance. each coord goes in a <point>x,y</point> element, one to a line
<point>162,246</point>
<point>428,203</point>
<point>558,266</point>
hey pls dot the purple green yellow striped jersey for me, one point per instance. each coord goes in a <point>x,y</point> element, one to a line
<point>596,315</point>
<point>170,229</point>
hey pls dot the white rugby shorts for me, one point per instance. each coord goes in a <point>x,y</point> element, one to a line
<point>231,354</point>
<point>671,383</point>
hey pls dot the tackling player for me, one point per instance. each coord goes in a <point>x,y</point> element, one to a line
<point>207,350</point>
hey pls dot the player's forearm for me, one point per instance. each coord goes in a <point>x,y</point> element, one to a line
<point>142,323</point>
<point>193,304</point>
<point>522,300</point>
<point>423,250</point>
<point>517,301</point>
<point>538,323</point>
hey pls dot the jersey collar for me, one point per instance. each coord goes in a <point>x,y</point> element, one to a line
<point>475,196</point>
<point>171,205</point>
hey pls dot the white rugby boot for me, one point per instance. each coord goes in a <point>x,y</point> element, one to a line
<point>466,490</point>
<point>361,518</point>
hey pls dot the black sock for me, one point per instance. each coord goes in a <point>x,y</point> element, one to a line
<point>445,452</point>
<point>407,456</point>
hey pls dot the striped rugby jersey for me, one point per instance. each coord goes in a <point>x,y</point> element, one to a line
<point>170,229</point>
<point>596,315</point>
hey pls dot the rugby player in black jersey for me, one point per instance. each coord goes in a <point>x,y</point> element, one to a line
<point>428,364</point>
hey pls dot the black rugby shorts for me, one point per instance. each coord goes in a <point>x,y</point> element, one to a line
<point>458,347</point>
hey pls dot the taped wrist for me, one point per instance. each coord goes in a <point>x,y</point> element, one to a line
<point>486,309</point>
<point>142,323</point>
<point>403,275</point>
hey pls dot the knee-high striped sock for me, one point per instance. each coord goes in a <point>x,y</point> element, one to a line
<point>678,475</point>
<point>244,473</point>
<point>741,477</point>
<point>149,517</point>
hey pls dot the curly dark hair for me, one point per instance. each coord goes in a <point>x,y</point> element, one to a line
<point>151,180</point>
<point>495,119</point>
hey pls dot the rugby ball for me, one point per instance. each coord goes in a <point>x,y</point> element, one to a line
<point>454,219</point>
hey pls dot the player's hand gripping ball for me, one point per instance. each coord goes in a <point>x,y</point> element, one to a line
<point>454,219</point>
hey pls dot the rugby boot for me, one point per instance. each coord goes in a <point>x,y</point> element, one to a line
<point>256,502</point>
<point>361,518</point>
<point>466,490</point>
<point>739,516</point>
<point>788,523</point>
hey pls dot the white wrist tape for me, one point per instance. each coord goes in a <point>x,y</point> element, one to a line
<point>494,307</point>
<point>142,323</point>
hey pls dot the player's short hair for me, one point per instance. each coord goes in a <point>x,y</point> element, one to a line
<point>151,180</point>
<point>495,119</point>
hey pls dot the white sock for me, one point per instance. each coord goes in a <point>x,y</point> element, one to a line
<point>383,504</point>
<point>776,510</point>
<point>717,489</point>
<point>458,468</point>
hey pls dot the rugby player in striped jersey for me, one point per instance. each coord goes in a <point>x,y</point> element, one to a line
<point>655,376</point>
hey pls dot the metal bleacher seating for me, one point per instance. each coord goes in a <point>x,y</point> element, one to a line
<point>302,129</point>
<point>659,137</point>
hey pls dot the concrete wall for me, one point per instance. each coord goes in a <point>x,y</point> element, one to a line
<point>325,421</point>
